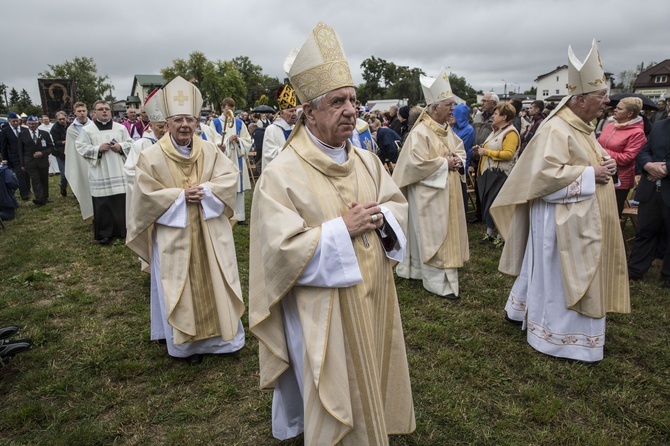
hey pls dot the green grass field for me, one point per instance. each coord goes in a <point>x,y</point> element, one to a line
<point>94,377</point>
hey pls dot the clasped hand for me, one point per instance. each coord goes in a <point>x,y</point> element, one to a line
<point>656,170</point>
<point>362,218</point>
<point>606,169</point>
<point>454,162</point>
<point>194,193</point>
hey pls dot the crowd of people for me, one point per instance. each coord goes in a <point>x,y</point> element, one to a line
<point>345,197</point>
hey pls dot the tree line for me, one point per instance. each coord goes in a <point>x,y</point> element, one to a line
<point>245,82</point>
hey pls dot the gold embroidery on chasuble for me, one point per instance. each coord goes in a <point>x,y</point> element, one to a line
<point>198,294</point>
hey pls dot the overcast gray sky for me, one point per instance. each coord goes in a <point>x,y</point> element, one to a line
<point>487,42</point>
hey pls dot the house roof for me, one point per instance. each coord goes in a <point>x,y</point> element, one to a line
<point>559,68</point>
<point>646,77</point>
<point>149,79</point>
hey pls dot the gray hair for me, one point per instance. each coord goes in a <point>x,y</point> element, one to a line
<point>316,102</point>
<point>494,97</point>
<point>59,113</point>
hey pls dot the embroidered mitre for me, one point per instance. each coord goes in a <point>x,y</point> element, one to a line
<point>436,89</point>
<point>286,97</point>
<point>320,65</point>
<point>152,106</point>
<point>180,97</point>
<point>588,76</point>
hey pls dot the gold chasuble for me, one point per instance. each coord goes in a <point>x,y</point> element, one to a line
<point>591,251</point>
<point>441,211</point>
<point>355,374</point>
<point>199,278</point>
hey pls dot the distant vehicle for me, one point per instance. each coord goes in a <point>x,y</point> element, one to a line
<point>3,122</point>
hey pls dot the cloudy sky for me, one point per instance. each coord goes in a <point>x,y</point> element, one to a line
<point>489,42</point>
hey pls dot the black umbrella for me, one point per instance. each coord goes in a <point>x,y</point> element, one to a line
<point>263,109</point>
<point>489,184</point>
<point>647,104</point>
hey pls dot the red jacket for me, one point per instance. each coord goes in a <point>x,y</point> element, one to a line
<point>623,144</point>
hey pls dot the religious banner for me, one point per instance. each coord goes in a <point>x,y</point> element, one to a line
<point>56,95</point>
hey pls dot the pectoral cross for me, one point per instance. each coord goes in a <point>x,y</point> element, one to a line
<point>180,98</point>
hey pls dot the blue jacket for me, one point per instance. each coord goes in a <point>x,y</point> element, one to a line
<point>464,130</point>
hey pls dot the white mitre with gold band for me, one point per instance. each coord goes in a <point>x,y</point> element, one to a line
<point>588,76</point>
<point>319,66</point>
<point>436,89</point>
<point>152,106</point>
<point>180,97</point>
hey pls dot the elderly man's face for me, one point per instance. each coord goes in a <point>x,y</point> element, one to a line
<point>182,128</point>
<point>131,114</point>
<point>487,103</point>
<point>14,122</point>
<point>159,129</point>
<point>594,103</point>
<point>32,125</point>
<point>289,115</point>
<point>443,110</point>
<point>143,115</point>
<point>333,122</point>
<point>62,119</point>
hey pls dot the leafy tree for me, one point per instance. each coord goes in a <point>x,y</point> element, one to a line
<point>263,100</point>
<point>13,98</point>
<point>216,80</point>
<point>462,89</point>
<point>532,91</point>
<point>89,85</point>
<point>257,83</point>
<point>4,107</point>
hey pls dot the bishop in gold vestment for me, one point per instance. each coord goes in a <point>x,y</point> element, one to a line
<point>179,223</point>
<point>428,174</point>
<point>327,227</point>
<point>558,214</point>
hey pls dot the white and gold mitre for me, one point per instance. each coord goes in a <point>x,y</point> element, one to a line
<point>319,66</point>
<point>588,76</point>
<point>436,89</point>
<point>180,97</point>
<point>152,106</point>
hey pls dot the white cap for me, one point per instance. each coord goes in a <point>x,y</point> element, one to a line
<point>180,97</point>
<point>587,76</point>
<point>436,89</point>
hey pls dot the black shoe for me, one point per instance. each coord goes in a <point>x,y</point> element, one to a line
<point>63,191</point>
<point>162,342</point>
<point>451,296</point>
<point>104,241</point>
<point>39,202</point>
<point>25,198</point>
<point>634,276</point>
<point>7,351</point>
<point>475,220</point>
<point>6,332</point>
<point>512,321</point>
<point>666,284</point>
<point>242,223</point>
<point>195,359</point>
<point>16,341</point>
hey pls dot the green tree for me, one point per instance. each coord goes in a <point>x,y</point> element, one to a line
<point>532,91</point>
<point>216,80</point>
<point>4,107</point>
<point>256,82</point>
<point>13,98</point>
<point>89,85</point>
<point>462,89</point>
<point>263,100</point>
